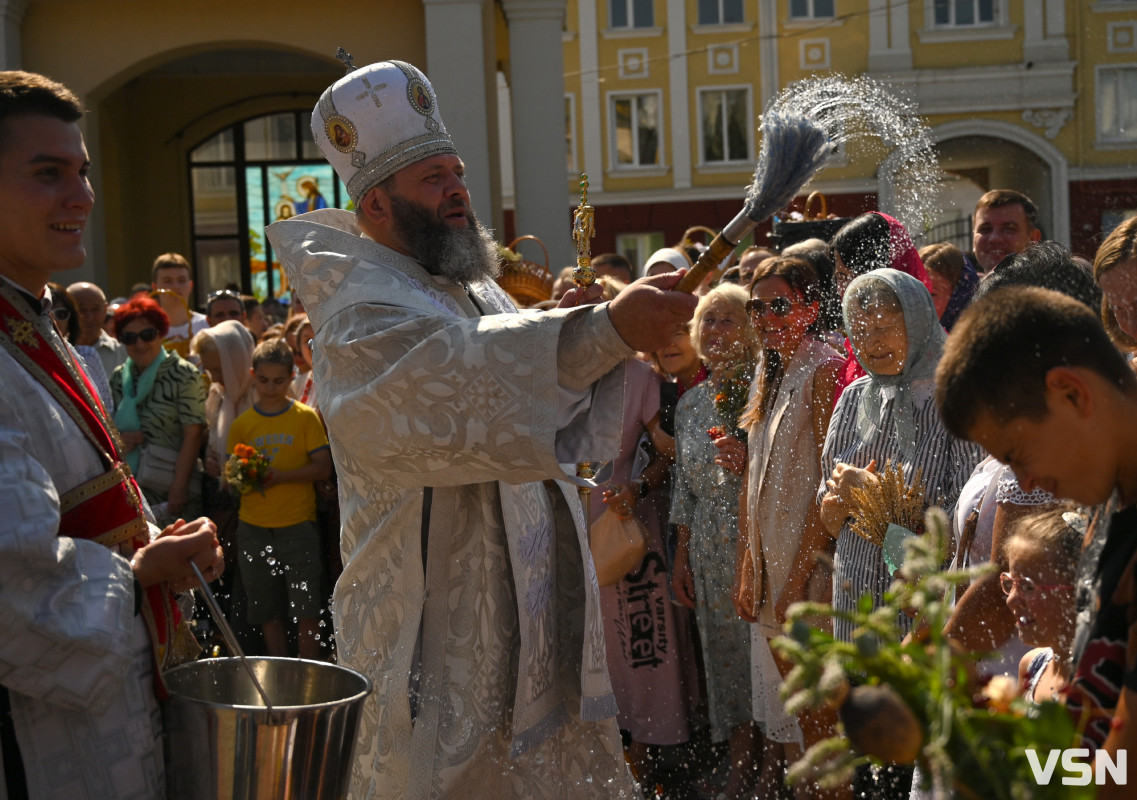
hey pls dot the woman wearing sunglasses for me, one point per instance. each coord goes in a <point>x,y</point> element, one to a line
<point>160,411</point>
<point>779,526</point>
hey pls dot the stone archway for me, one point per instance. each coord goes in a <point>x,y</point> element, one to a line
<point>141,130</point>
<point>978,155</point>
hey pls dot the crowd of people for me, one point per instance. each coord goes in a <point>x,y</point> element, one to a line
<point>405,441</point>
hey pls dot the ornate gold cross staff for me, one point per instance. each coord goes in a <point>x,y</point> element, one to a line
<point>583,275</point>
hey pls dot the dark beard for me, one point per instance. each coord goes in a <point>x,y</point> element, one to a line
<point>461,254</point>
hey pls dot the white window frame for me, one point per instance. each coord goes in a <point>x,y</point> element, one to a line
<point>1109,139</point>
<point>629,7</point>
<point>613,149</point>
<point>732,165</point>
<point>997,29</point>
<point>642,244</point>
<point>719,19</point>
<point>812,15</point>
<point>974,5</point>
<point>574,162</point>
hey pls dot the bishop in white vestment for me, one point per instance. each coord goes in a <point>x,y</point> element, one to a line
<point>468,595</point>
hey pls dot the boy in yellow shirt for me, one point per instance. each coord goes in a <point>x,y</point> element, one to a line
<point>276,534</point>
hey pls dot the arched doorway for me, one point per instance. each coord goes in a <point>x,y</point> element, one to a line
<point>172,148</point>
<point>244,177</point>
<point>979,155</point>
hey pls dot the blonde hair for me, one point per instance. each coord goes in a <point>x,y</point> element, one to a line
<point>734,296</point>
<point>1050,532</point>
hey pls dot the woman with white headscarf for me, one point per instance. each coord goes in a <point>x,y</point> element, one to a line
<point>226,355</point>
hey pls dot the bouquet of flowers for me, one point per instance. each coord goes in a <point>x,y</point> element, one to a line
<point>922,700</point>
<point>247,469</point>
<point>730,399</point>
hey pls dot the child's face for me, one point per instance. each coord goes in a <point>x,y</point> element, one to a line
<point>1044,617</point>
<point>272,382</point>
<point>880,337</point>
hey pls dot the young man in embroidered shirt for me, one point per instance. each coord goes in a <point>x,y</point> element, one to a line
<point>85,594</point>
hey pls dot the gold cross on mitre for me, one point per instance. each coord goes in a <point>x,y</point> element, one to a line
<point>371,91</point>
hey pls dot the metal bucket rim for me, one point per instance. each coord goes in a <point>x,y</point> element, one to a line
<point>354,698</point>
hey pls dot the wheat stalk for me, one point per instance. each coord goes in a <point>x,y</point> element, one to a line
<point>888,500</point>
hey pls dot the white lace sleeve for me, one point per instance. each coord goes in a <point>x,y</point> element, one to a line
<point>1009,491</point>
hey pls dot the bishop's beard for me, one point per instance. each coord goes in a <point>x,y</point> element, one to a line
<point>463,255</point>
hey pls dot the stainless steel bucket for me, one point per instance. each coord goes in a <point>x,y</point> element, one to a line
<point>222,743</point>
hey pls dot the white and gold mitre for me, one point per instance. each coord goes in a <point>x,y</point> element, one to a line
<point>375,120</point>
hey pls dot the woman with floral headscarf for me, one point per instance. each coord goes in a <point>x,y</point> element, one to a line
<point>871,241</point>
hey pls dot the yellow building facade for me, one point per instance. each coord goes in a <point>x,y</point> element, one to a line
<point>197,121</point>
<point>1035,95</point>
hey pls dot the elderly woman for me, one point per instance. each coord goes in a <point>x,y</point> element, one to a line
<point>160,410</point>
<point>868,242</point>
<point>705,507</point>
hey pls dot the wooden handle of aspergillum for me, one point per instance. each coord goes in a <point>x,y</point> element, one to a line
<point>708,262</point>
<point>719,248</point>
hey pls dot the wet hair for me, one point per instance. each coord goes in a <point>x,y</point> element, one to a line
<point>803,280</point>
<point>275,351</point>
<point>864,244</point>
<point>1048,265</point>
<point>997,198</point>
<point>1004,345</point>
<point>141,308</point>
<point>816,252</point>
<point>945,259</point>
<point>169,261</point>
<point>1050,532</point>
<point>736,297</point>
<point>29,93</point>
<point>1118,248</point>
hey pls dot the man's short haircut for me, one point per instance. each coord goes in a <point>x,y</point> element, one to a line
<point>29,93</point>
<point>613,261</point>
<point>1045,264</point>
<point>276,352</point>
<point>996,198</point>
<point>943,258</point>
<point>222,294</point>
<point>170,261</point>
<point>1004,345</point>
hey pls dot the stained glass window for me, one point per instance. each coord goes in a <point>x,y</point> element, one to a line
<point>243,178</point>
